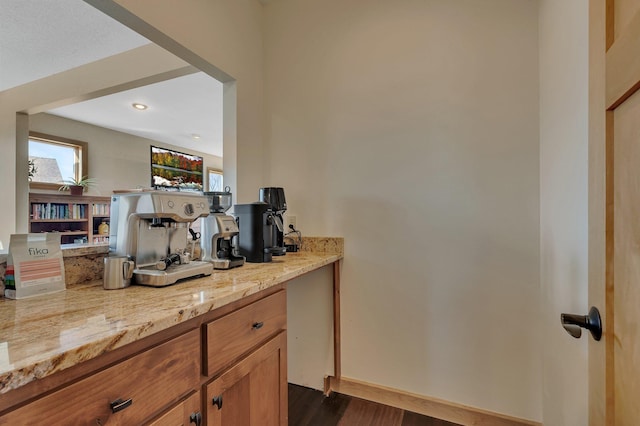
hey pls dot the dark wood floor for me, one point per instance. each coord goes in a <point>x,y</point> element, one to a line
<point>309,407</point>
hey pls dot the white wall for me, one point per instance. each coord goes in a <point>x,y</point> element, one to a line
<point>116,160</point>
<point>563,205</point>
<point>411,129</point>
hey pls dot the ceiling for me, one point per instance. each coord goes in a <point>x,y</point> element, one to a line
<point>39,38</point>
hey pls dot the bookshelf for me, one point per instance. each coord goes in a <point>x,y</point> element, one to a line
<point>75,218</point>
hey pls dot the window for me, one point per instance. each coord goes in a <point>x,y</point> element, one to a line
<point>53,159</point>
<point>215,179</point>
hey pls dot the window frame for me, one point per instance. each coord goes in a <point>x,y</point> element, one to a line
<point>81,163</point>
<point>213,170</point>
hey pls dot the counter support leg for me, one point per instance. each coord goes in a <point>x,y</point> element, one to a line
<point>337,367</point>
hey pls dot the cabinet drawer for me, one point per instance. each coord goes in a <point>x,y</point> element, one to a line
<point>151,381</point>
<point>227,338</point>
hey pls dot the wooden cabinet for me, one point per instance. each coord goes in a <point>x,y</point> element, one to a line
<point>227,367</point>
<point>254,391</point>
<point>128,393</point>
<point>75,218</point>
<point>252,343</point>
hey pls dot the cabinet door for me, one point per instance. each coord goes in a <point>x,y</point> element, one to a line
<point>252,392</point>
<point>186,413</point>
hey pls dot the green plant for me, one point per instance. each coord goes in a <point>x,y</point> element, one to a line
<point>32,169</point>
<point>85,182</point>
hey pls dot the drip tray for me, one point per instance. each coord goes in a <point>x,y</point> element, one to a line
<point>174,273</point>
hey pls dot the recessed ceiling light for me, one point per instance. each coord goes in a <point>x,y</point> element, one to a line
<point>195,136</point>
<point>138,106</point>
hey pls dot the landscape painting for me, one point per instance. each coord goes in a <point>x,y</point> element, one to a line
<point>177,170</point>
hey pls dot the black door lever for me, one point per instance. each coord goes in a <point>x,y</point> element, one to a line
<point>573,323</point>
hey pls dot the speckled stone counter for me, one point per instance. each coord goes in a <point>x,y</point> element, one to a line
<point>84,263</point>
<point>47,334</point>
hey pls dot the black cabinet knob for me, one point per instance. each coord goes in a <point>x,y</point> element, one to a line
<point>196,418</point>
<point>217,401</point>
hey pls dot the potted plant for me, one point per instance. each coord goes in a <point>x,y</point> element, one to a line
<point>32,169</point>
<point>77,186</point>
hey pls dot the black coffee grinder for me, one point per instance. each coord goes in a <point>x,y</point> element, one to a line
<point>274,197</point>
<point>256,222</point>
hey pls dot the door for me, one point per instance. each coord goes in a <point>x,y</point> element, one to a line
<point>253,392</point>
<point>614,222</point>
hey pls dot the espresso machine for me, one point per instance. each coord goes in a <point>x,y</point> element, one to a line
<point>152,228</point>
<point>274,197</point>
<point>256,238</point>
<point>219,233</point>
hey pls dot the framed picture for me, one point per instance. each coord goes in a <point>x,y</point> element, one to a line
<point>173,169</point>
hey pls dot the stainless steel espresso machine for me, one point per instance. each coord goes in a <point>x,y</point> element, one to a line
<point>152,228</point>
<point>219,233</point>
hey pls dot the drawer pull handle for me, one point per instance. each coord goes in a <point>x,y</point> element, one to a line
<point>217,401</point>
<point>119,405</point>
<point>196,418</point>
<point>257,325</point>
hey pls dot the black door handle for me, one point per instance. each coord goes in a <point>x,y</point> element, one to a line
<point>119,404</point>
<point>573,323</point>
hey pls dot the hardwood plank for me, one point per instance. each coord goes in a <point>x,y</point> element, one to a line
<point>310,407</point>
<point>295,394</point>
<point>331,410</point>
<point>415,419</point>
<point>303,404</point>
<point>366,413</point>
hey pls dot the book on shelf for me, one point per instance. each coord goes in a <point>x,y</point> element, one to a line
<point>55,211</point>
<point>101,209</point>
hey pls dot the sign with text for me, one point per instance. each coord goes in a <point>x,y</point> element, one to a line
<point>38,268</point>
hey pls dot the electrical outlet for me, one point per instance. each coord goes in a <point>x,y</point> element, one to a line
<point>290,220</point>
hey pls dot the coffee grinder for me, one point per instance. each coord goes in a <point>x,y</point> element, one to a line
<point>219,233</point>
<point>256,222</point>
<point>274,197</point>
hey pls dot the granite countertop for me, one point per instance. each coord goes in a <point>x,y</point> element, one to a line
<point>46,334</point>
